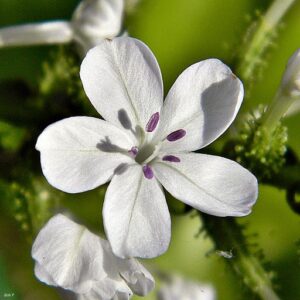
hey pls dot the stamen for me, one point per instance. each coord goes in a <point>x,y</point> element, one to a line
<point>152,123</point>
<point>148,173</point>
<point>171,158</point>
<point>176,135</point>
<point>134,151</point>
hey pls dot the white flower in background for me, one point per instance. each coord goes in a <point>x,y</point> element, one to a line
<point>69,256</point>
<point>143,143</point>
<point>92,21</point>
<point>287,99</point>
<point>291,83</point>
<point>294,109</point>
<point>180,289</point>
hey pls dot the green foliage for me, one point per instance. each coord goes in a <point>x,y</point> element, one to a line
<point>20,198</point>
<point>11,137</point>
<point>4,284</point>
<point>245,260</point>
<point>32,205</point>
<point>61,79</point>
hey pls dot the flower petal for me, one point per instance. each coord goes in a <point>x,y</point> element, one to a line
<point>180,288</point>
<point>136,216</point>
<point>290,83</point>
<point>95,20</point>
<point>293,109</point>
<point>136,275</point>
<point>81,153</point>
<point>212,184</point>
<point>55,32</point>
<point>43,275</point>
<point>203,101</point>
<point>69,254</point>
<point>108,289</point>
<point>122,79</point>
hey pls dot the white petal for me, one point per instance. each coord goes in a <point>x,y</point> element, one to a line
<point>180,289</point>
<point>291,78</point>
<point>81,153</point>
<point>294,109</point>
<point>95,20</point>
<point>36,34</point>
<point>43,275</point>
<point>203,101</point>
<point>108,289</point>
<point>136,275</point>
<point>70,255</point>
<point>123,81</point>
<point>136,216</point>
<point>212,184</point>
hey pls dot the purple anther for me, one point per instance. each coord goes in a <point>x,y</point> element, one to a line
<point>176,135</point>
<point>148,173</point>
<point>171,158</point>
<point>152,123</point>
<point>134,151</point>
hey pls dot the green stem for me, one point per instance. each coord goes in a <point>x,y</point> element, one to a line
<point>228,235</point>
<point>277,110</point>
<point>261,39</point>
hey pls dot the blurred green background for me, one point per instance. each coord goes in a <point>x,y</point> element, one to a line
<point>179,33</point>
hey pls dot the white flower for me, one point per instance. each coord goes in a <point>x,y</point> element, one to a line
<point>287,99</point>
<point>294,109</point>
<point>69,256</point>
<point>179,289</point>
<point>92,21</point>
<point>145,143</point>
<point>290,84</point>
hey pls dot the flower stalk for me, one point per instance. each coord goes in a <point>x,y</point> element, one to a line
<point>261,39</point>
<point>227,234</point>
<point>278,108</point>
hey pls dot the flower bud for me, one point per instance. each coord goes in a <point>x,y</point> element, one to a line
<point>94,20</point>
<point>290,84</point>
<point>287,93</point>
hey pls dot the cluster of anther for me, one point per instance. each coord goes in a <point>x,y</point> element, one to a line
<point>172,137</point>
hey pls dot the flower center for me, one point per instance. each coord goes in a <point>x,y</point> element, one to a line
<point>147,153</point>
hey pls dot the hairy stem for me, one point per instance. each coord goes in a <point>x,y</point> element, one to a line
<point>228,235</point>
<point>262,38</point>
